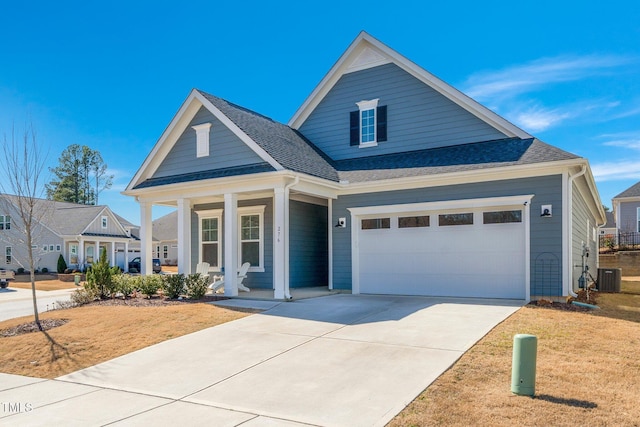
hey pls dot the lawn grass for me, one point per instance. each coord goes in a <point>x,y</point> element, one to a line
<point>44,282</point>
<point>95,334</point>
<point>588,371</point>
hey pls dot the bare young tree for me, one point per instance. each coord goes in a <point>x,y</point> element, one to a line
<point>22,189</point>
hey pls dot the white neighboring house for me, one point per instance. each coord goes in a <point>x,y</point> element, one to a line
<point>165,238</point>
<point>78,232</point>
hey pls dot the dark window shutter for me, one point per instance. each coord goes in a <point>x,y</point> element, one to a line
<point>354,120</point>
<point>381,126</point>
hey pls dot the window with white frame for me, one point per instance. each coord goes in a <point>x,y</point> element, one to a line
<point>105,222</point>
<point>8,255</point>
<point>58,248</point>
<point>368,125</point>
<point>251,245</point>
<point>210,223</point>
<point>202,139</point>
<point>165,251</point>
<point>157,252</point>
<point>5,222</point>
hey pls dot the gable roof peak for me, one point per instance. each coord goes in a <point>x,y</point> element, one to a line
<point>366,52</point>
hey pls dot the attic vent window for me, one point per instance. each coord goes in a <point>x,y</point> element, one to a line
<point>369,124</point>
<point>202,139</point>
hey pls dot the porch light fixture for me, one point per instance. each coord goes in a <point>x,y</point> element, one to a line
<point>342,223</point>
<point>546,211</point>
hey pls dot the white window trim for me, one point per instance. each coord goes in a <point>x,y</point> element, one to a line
<point>8,253</point>
<point>252,210</point>
<point>208,214</point>
<point>73,247</point>
<point>105,222</point>
<point>365,106</point>
<point>202,139</point>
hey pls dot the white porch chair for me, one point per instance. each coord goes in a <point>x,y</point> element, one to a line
<point>203,270</point>
<point>242,274</point>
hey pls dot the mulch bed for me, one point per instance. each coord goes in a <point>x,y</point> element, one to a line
<point>142,301</point>
<point>26,328</point>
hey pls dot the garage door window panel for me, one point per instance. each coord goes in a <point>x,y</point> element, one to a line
<point>455,219</point>
<point>413,221</point>
<point>376,223</point>
<point>502,217</point>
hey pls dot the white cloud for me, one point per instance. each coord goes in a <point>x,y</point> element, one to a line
<point>629,140</point>
<point>536,119</point>
<point>523,78</point>
<point>613,171</point>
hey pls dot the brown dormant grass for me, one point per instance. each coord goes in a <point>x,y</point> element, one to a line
<point>588,372</point>
<point>95,334</point>
<point>44,282</point>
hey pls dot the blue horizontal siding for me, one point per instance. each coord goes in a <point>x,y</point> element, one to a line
<point>418,117</point>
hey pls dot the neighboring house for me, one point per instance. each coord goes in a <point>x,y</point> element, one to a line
<point>609,228</point>
<point>386,181</point>
<point>626,209</point>
<point>78,232</point>
<point>165,238</point>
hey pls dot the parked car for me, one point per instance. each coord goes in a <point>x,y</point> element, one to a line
<point>134,264</point>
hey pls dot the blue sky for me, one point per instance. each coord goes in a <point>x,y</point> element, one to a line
<point>112,75</point>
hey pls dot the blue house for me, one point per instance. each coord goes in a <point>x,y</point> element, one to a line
<point>385,181</point>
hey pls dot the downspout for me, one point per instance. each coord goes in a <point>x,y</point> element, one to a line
<point>570,228</point>
<point>287,294</point>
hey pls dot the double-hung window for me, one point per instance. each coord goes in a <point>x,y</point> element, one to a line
<point>251,244</point>
<point>5,222</point>
<point>8,255</point>
<point>210,238</point>
<point>368,125</point>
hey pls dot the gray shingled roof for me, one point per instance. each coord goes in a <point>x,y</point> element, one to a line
<point>633,191</point>
<point>65,218</point>
<point>166,227</point>
<point>611,220</point>
<point>294,152</point>
<point>287,146</point>
<point>480,155</point>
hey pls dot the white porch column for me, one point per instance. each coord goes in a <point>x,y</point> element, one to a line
<point>184,236</point>
<point>96,251</point>
<point>146,256</point>
<point>280,243</point>
<point>113,254</point>
<point>81,255</point>
<point>126,256</point>
<point>230,244</point>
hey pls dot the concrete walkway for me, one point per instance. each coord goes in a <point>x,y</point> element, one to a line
<point>340,360</point>
<point>17,302</point>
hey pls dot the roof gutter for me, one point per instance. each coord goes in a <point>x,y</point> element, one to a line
<point>570,224</point>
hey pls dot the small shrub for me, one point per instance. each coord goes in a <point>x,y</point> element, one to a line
<point>196,285</point>
<point>68,271</point>
<point>20,270</point>
<point>44,270</point>
<point>173,285</point>
<point>100,276</point>
<point>62,264</point>
<point>84,296</point>
<point>126,285</point>
<point>149,285</point>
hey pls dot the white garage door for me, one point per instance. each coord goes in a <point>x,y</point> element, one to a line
<point>460,253</point>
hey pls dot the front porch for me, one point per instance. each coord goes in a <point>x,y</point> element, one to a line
<point>260,221</point>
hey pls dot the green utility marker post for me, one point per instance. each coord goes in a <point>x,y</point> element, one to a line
<point>523,372</point>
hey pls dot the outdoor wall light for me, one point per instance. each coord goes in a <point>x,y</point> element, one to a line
<point>342,223</point>
<point>546,211</point>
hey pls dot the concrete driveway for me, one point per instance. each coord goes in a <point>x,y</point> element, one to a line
<point>17,302</point>
<point>341,360</point>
